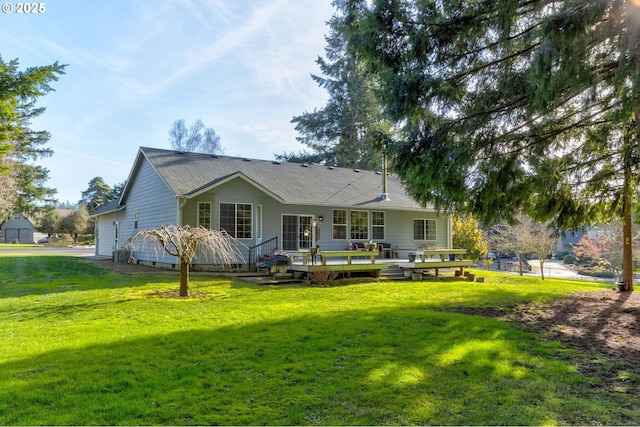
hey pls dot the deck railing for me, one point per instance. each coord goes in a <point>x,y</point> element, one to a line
<point>267,247</point>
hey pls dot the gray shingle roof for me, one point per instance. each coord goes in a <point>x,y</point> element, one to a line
<point>113,206</point>
<point>187,174</point>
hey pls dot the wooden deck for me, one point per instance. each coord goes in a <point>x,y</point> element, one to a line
<point>350,261</point>
<point>308,258</point>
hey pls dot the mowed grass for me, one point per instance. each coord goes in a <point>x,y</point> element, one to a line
<point>85,346</point>
<point>18,246</point>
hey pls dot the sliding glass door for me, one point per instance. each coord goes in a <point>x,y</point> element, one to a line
<point>297,232</point>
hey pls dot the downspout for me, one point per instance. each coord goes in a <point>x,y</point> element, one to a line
<point>96,238</point>
<point>181,201</point>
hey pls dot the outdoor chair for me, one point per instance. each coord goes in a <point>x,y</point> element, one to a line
<point>385,250</point>
<point>357,246</point>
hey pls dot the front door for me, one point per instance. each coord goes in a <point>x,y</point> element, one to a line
<point>297,232</point>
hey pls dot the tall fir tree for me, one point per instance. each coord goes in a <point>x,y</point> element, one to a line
<point>511,105</point>
<point>98,193</point>
<point>23,181</point>
<point>350,130</point>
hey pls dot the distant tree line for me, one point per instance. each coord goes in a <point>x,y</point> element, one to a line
<point>73,219</point>
<point>74,223</point>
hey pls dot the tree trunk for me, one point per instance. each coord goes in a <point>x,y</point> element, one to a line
<point>627,252</point>
<point>184,279</point>
<point>633,30</point>
<point>542,268</point>
<point>520,266</point>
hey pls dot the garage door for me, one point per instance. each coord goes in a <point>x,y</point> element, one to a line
<point>23,235</point>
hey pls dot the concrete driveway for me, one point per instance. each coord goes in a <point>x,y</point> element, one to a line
<point>556,269</point>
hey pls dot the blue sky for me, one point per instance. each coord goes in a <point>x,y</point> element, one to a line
<point>135,66</point>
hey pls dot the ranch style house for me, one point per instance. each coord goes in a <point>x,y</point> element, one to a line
<point>271,207</point>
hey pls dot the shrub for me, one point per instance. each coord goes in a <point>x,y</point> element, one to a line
<point>322,276</point>
<point>569,259</point>
<point>589,271</point>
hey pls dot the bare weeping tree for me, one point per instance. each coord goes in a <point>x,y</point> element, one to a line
<point>540,240</point>
<point>185,243</point>
<point>525,235</point>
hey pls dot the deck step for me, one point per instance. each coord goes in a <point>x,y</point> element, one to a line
<point>393,272</point>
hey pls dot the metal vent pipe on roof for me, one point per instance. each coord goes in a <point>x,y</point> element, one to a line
<point>384,195</point>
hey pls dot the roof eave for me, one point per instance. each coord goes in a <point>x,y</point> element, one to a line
<point>119,208</point>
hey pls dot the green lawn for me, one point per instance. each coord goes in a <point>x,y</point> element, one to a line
<point>85,346</point>
<point>16,246</point>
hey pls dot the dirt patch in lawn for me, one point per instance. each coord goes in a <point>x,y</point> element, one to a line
<point>604,330</point>
<point>606,322</point>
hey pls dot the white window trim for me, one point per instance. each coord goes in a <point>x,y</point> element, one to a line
<point>349,229</point>
<point>370,226</point>
<point>435,221</point>
<point>235,232</point>
<point>383,226</point>
<point>345,225</point>
<point>210,214</point>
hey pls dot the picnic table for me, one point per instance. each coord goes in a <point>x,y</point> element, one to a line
<point>443,254</point>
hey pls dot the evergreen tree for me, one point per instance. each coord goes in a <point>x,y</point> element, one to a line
<point>98,193</point>
<point>22,181</point>
<point>511,105</point>
<point>118,189</point>
<point>350,130</point>
<point>303,156</point>
<point>65,205</point>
